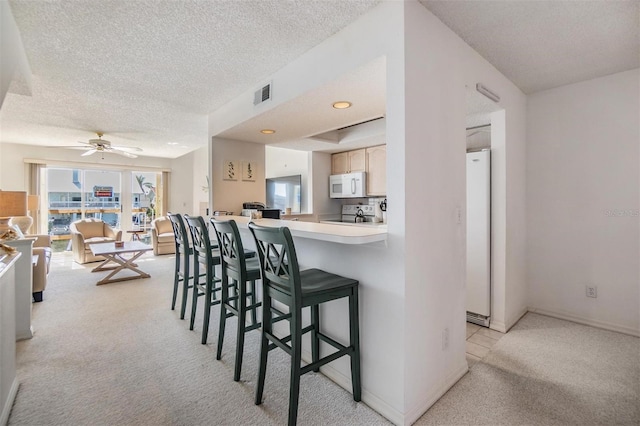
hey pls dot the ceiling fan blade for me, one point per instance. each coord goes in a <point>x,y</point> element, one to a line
<point>74,147</point>
<point>91,151</point>
<point>124,153</point>
<point>127,148</point>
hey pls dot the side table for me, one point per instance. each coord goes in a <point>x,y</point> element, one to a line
<point>135,234</point>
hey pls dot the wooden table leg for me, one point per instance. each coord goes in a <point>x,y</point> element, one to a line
<point>124,264</point>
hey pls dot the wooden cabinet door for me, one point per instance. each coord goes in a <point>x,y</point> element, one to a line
<point>339,163</point>
<point>357,160</point>
<point>377,170</point>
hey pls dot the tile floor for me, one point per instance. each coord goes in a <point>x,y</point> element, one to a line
<point>480,340</point>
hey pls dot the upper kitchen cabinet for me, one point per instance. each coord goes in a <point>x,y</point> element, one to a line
<point>376,164</point>
<point>348,162</point>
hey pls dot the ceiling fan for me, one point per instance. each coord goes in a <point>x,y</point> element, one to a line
<point>102,146</point>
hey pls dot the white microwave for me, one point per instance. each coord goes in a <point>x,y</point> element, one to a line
<point>349,185</point>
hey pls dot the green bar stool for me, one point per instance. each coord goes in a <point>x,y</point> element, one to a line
<point>207,255</point>
<point>237,271</point>
<point>283,281</point>
<point>184,255</point>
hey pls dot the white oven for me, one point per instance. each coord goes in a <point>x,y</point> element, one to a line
<point>349,185</point>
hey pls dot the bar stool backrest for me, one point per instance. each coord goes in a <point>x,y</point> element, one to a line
<point>230,244</point>
<point>180,233</point>
<point>200,237</point>
<point>278,262</point>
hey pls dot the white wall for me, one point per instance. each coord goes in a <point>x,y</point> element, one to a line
<point>428,67</point>
<point>583,200</point>
<point>230,194</point>
<point>438,67</point>
<point>188,178</point>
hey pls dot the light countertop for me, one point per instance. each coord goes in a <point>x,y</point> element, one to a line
<point>320,231</point>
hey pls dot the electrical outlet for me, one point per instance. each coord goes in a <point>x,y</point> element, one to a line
<point>445,339</point>
<point>592,291</point>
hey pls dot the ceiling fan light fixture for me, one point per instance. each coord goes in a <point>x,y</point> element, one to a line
<point>267,131</point>
<point>342,105</point>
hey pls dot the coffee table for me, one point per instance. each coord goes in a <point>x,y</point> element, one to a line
<point>123,257</point>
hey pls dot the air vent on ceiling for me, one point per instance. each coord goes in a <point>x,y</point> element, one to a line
<point>263,94</point>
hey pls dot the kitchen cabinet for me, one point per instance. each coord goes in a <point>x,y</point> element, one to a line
<point>376,170</point>
<point>348,162</point>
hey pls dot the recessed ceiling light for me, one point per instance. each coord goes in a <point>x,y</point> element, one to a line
<point>267,131</point>
<point>172,143</point>
<point>341,104</point>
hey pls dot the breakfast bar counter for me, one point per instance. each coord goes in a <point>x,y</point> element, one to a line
<point>366,254</point>
<point>319,231</point>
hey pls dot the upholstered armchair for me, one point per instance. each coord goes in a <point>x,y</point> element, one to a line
<point>90,231</point>
<point>162,237</point>
<point>41,248</point>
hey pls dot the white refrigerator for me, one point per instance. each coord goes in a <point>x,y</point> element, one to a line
<point>479,237</point>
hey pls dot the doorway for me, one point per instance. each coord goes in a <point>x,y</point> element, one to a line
<point>480,110</point>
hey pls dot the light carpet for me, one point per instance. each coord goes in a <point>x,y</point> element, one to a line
<point>117,355</point>
<point>547,371</point>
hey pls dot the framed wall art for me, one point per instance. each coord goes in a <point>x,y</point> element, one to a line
<point>231,170</point>
<point>249,171</point>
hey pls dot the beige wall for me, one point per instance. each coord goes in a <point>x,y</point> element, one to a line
<point>230,194</point>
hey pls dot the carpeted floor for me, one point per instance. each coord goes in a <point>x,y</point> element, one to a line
<point>547,371</point>
<point>117,355</point>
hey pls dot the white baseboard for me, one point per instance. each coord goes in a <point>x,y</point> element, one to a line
<point>6,410</point>
<point>498,326</point>
<point>587,321</point>
<point>503,327</point>
<point>434,396</point>
<point>25,336</point>
<point>371,400</point>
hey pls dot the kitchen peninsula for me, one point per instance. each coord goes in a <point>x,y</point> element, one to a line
<point>361,253</point>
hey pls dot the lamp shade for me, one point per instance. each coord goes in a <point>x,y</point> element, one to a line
<point>13,203</point>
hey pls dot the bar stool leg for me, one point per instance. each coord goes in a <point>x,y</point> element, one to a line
<point>194,296</point>
<point>254,300</point>
<point>223,314</point>
<point>176,280</point>
<point>296,359</point>
<point>264,347</point>
<point>242,315</point>
<point>185,285</point>
<point>355,344</point>
<point>207,305</point>
<point>315,340</point>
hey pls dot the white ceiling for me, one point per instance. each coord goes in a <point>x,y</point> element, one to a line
<point>539,45</point>
<point>148,72</point>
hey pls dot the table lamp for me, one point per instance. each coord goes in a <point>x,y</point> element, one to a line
<point>12,203</point>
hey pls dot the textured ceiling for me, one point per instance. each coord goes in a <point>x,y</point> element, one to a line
<point>147,73</point>
<point>539,45</point>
